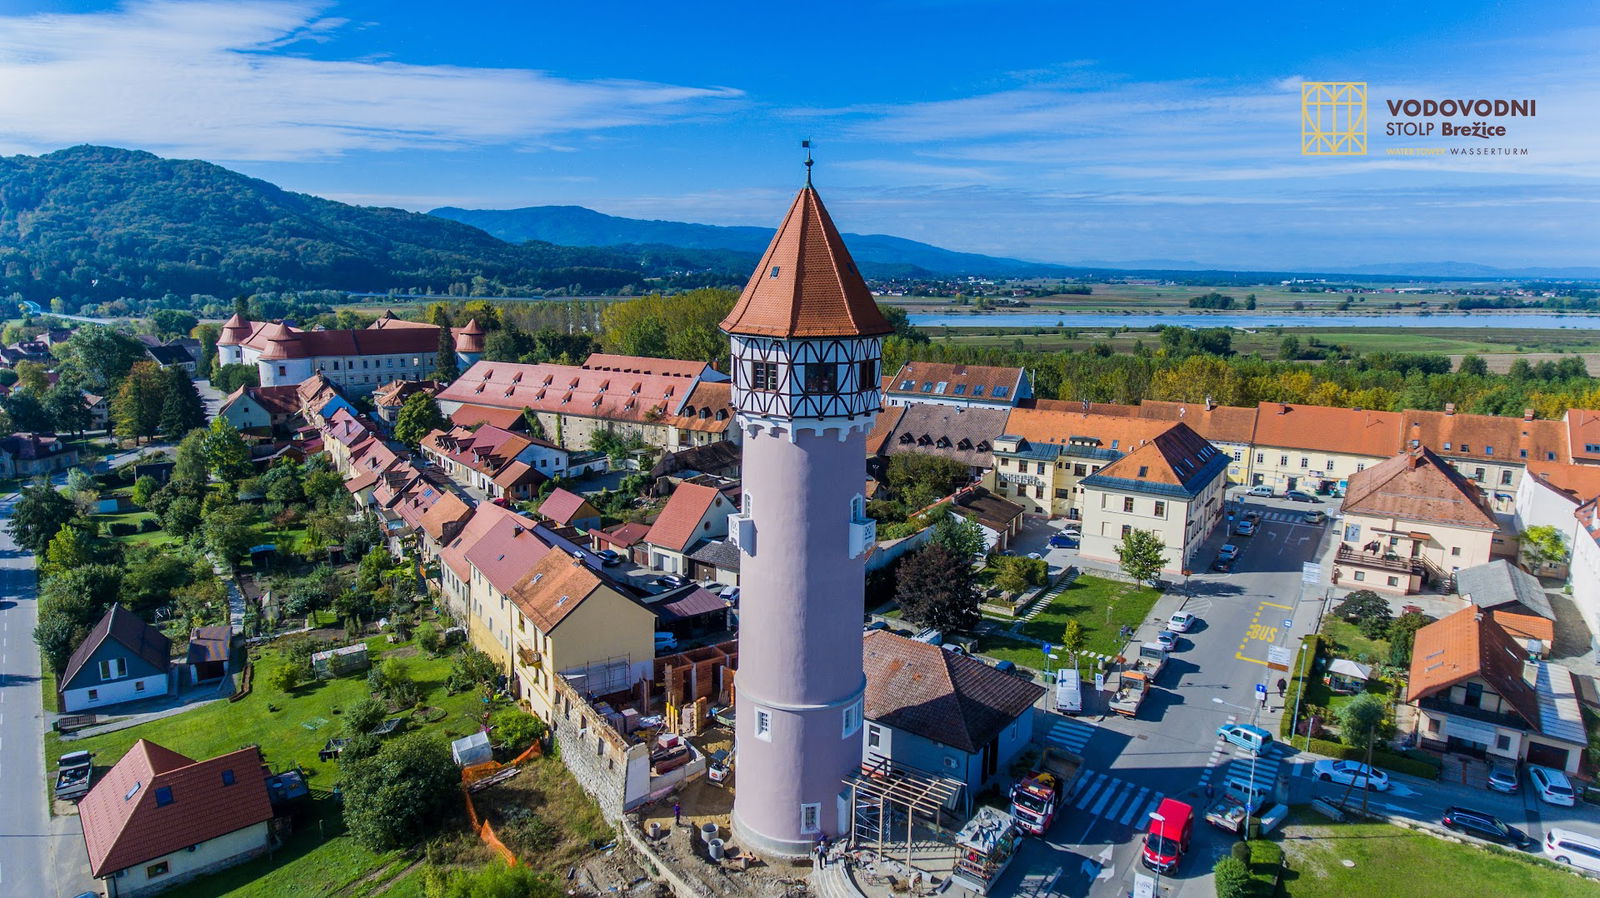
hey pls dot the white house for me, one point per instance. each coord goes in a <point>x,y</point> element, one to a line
<point>123,659</point>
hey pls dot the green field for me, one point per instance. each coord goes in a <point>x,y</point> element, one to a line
<point>1100,605</point>
<point>1387,861</point>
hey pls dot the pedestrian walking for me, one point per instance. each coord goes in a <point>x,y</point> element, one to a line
<point>677,814</point>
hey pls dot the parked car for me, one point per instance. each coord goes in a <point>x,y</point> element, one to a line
<point>1347,773</point>
<point>1315,517</point>
<point>1072,531</point>
<point>1167,640</point>
<point>1567,847</point>
<point>1035,556</point>
<point>670,581</point>
<point>1167,839</point>
<point>1222,565</point>
<point>1228,552</point>
<point>1260,490</point>
<point>1484,826</point>
<point>955,648</point>
<point>666,642</point>
<point>1181,621</point>
<point>1552,786</point>
<point>609,558</point>
<point>1503,777</point>
<point>1300,496</point>
<point>1250,738</point>
<point>1064,540</point>
<point>1245,528</point>
<point>875,625</point>
<point>1005,666</point>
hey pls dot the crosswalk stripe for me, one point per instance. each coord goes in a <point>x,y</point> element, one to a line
<point>1104,797</point>
<point>1115,806</point>
<point>1150,808</point>
<point>1088,794</point>
<point>1133,806</point>
<point>1081,784</point>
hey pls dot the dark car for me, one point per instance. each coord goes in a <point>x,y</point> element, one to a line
<point>1484,826</point>
<point>1222,565</point>
<point>1063,541</point>
<point>670,581</point>
<point>609,558</point>
<point>1300,496</point>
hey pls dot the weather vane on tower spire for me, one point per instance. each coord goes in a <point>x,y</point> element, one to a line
<point>806,144</point>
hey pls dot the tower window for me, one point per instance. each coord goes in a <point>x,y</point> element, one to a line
<point>763,375</point>
<point>822,378</point>
<point>867,374</point>
<point>763,728</point>
<point>811,817</point>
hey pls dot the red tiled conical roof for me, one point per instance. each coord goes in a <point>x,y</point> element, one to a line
<point>235,330</point>
<point>470,338</point>
<point>807,285</point>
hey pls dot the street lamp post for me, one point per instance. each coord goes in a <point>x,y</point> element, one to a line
<point>1156,816</point>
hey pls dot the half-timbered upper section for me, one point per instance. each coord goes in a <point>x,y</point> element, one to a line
<point>808,381</point>
<point>807,285</point>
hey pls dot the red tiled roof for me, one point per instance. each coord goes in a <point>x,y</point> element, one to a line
<point>553,589</point>
<point>883,428</point>
<point>948,698</point>
<point>1487,437</point>
<point>622,536</point>
<point>1057,426</point>
<point>507,549</point>
<point>806,285</point>
<point>1172,457</point>
<point>450,509</point>
<point>473,415</point>
<point>570,390</point>
<point>707,409</point>
<point>1345,431</point>
<point>1467,644</point>
<point>1578,483</point>
<point>638,364</point>
<point>564,506</point>
<point>1583,431</point>
<point>124,825</point>
<point>1219,423</point>
<point>1418,487</point>
<point>964,382</point>
<point>679,522</point>
<point>1526,626</point>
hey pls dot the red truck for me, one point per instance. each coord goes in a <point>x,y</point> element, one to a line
<point>1037,797</point>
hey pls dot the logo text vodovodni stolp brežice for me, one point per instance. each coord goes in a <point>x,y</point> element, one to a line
<point>1427,109</point>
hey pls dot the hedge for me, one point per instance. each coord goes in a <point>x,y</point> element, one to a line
<point>1291,696</point>
<point>1266,866</point>
<point>149,525</point>
<point>1414,763</point>
<point>124,528</point>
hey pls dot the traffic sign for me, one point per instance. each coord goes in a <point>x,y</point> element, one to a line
<point>1047,648</point>
<point>1261,691</point>
<point>1310,572</point>
<point>1099,682</point>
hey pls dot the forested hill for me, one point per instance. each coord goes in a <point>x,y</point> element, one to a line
<point>91,224</point>
<point>879,255</point>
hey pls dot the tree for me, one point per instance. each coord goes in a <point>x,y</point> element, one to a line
<point>225,452</point>
<point>189,469</point>
<point>182,409</point>
<point>416,419</point>
<point>38,514</point>
<point>103,355</point>
<point>231,377</point>
<point>395,797</point>
<point>143,489</point>
<point>70,603</point>
<point>1073,639</point>
<point>1289,348</point>
<point>919,480</point>
<point>445,365</point>
<point>1403,635</point>
<point>1231,877</point>
<point>66,410</point>
<point>361,717</point>
<point>136,408</point>
<point>33,377</point>
<point>935,589</point>
<point>535,426</point>
<point>515,729</point>
<point>1142,555</point>
<point>964,538</point>
<point>1473,365</point>
<point>71,547</point>
<point>1543,544</point>
<point>1367,610</point>
<point>228,532</point>
<point>172,322</point>
<point>1359,723</point>
<point>471,669</point>
<point>285,677</point>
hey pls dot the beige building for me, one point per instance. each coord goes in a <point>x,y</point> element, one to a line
<point>1318,449</point>
<point>1491,451</point>
<point>1173,486</point>
<point>1230,428</point>
<point>1046,452</point>
<point>1411,520</point>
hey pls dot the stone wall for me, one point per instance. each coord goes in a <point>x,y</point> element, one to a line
<point>614,772</point>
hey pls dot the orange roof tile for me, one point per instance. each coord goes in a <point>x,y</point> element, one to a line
<point>1417,487</point>
<point>806,285</point>
<point>677,525</point>
<point>1344,431</point>
<point>1060,427</point>
<point>1219,423</point>
<point>1468,644</point>
<point>564,506</point>
<point>1487,437</point>
<point>1583,431</point>
<point>1526,626</point>
<point>1579,483</point>
<point>553,589</point>
<point>883,428</point>
<point>443,513</point>
<point>570,390</point>
<point>1175,457</point>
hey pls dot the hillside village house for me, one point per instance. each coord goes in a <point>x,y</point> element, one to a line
<point>32,454</point>
<point>1491,451</point>
<point>123,659</point>
<point>158,819</point>
<point>938,711</point>
<point>695,513</point>
<point>971,386</point>
<point>657,401</point>
<point>260,409</point>
<point>963,435</point>
<point>1318,449</point>
<point>495,461</point>
<point>1172,485</point>
<point>358,361</point>
<point>1414,519</point>
<point>1477,693</point>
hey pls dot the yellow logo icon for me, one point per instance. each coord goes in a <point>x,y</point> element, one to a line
<point>1333,118</point>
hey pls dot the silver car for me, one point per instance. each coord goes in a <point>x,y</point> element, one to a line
<point>1503,777</point>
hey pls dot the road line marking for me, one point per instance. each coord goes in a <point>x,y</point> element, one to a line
<point>1241,657</point>
<point>1104,797</point>
<point>1111,812</point>
<point>1133,807</point>
<point>1088,794</point>
<point>1276,605</point>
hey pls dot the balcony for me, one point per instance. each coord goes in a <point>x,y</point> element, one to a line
<point>1370,561</point>
<point>1440,705</point>
<point>527,656</point>
<point>863,536</point>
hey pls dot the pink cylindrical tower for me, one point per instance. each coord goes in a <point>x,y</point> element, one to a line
<point>807,342</point>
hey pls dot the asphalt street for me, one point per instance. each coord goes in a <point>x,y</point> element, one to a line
<point>1171,750</point>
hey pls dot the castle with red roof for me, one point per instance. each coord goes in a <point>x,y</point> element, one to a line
<point>358,360</point>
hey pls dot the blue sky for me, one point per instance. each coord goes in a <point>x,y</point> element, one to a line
<point>1050,130</point>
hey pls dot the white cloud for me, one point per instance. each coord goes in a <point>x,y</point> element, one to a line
<point>204,78</point>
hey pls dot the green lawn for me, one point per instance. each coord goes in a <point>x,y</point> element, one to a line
<point>1347,642</point>
<point>1389,861</point>
<point>1101,606</point>
<point>318,859</point>
<point>47,686</point>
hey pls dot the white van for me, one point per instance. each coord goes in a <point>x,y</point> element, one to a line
<point>1577,849</point>
<point>1069,693</point>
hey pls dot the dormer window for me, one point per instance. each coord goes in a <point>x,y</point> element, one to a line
<point>775,270</point>
<point>977,390</point>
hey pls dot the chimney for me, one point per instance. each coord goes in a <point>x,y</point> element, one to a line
<point>1283,408</point>
<point>1449,408</point>
<point>1086,406</point>
<point>1416,458</point>
<point>516,530</point>
<point>1527,414</point>
<point>1182,410</point>
<point>1210,403</point>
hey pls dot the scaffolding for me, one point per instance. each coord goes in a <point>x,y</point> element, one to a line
<point>884,796</point>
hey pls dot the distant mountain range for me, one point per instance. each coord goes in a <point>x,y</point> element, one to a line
<point>879,255</point>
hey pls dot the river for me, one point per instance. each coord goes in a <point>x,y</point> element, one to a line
<point>1079,320</point>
